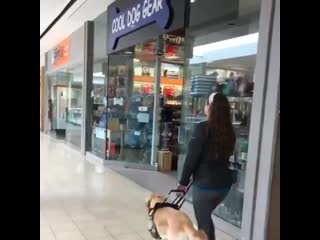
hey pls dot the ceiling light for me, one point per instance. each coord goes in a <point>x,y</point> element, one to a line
<point>98,74</point>
<point>230,48</point>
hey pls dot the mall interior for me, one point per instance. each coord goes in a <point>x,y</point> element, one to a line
<point>122,86</point>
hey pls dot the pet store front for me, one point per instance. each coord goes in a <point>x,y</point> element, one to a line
<point>143,79</point>
<point>64,87</point>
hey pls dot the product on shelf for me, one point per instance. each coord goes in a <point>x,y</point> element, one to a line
<point>202,85</point>
<point>169,91</point>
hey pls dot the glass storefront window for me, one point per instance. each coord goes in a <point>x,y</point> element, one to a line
<point>130,97</point>
<point>98,100</point>
<point>74,107</point>
<point>130,101</point>
<point>99,91</point>
<point>65,92</point>
<point>223,60</point>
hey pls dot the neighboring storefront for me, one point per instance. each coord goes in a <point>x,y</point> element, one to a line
<point>42,98</point>
<point>135,80</point>
<point>96,142</point>
<point>64,79</point>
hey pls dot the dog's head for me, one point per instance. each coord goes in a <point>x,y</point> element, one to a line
<point>153,199</point>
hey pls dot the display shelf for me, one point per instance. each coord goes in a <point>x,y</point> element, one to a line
<point>240,99</point>
<point>166,81</point>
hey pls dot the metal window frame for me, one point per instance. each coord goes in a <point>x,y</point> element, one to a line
<point>269,133</point>
<point>156,103</point>
<point>262,129</point>
<point>87,86</point>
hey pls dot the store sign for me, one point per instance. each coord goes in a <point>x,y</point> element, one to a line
<point>172,39</point>
<point>61,53</point>
<point>137,15</point>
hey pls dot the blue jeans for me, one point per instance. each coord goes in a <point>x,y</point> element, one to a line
<point>204,203</point>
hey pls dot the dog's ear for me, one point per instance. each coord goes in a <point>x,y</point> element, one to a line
<point>148,200</point>
<point>152,199</point>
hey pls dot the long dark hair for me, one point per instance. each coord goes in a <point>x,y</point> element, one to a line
<point>220,130</point>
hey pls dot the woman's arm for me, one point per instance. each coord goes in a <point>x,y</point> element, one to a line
<point>195,148</point>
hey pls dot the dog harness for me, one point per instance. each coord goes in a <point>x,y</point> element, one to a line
<point>151,226</point>
<point>176,204</point>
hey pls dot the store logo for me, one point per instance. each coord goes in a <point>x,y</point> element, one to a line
<point>141,14</point>
<point>172,39</point>
<point>61,53</point>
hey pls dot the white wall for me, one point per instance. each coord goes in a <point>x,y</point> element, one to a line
<point>42,60</point>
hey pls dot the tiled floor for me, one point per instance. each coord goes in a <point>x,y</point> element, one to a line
<point>77,203</point>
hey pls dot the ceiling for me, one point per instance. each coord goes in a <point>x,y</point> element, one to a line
<point>49,10</point>
<point>84,10</point>
<point>81,11</point>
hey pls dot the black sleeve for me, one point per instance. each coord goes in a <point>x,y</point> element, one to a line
<point>195,149</point>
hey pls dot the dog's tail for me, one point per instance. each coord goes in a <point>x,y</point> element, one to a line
<point>194,234</point>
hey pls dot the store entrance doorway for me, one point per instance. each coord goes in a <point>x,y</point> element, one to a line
<point>159,71</point>
<point>172,75</point>
<point>138,134</point>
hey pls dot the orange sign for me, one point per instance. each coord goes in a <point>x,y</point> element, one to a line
<point>164,80</point>
<point>61,53</point>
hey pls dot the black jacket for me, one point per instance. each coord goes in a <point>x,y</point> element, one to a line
<point>206,172</point>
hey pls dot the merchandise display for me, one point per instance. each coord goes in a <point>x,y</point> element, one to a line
<point>129,99</point>
<point>202,85</point>
<point>170,119</point>
<point>169,91</point>
<point>129,110</point>
<point>99,116</point>
<point>97,94</point>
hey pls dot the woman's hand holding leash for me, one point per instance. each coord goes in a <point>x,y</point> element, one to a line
<point>181,188</point>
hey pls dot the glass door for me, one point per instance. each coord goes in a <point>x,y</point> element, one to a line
<point>98,100</point>
<point>74,106</point>
<point>130,99</point>
<point>223,60</point>
<point>57,103</point>
<point>65,104</point>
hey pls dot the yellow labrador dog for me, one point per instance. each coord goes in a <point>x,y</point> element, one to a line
<point>171,223</point>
